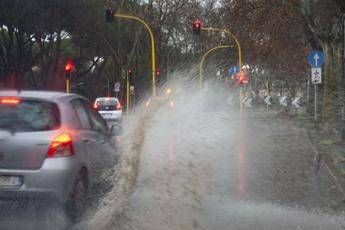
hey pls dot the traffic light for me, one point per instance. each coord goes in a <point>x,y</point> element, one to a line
<point>129,73</point>
<point>69,67</point>
<point>109,15</point>
<point>158,72</point>
<point>196,27</point>
<point>242,78</point>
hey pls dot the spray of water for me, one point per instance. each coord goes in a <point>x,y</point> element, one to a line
<point>172,172</point>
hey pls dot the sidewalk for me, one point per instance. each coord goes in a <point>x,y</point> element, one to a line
<point>327,144</point>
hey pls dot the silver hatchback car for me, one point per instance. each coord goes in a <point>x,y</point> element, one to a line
<point>52,145</point>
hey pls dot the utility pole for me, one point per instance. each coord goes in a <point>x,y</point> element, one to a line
<point>343,86</point>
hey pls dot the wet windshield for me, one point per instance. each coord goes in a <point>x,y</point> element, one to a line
<point>175,114</point>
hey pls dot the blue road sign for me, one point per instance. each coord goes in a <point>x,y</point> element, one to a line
<point>233,70</point>
<point>316,58</point>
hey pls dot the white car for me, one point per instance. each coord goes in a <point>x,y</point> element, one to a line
<point>109,108</point>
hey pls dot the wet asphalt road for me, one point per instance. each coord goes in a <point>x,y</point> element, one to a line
<point>214,170</point>
<point>218,171</point>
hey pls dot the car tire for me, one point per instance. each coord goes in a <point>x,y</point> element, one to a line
<point>76,203</point>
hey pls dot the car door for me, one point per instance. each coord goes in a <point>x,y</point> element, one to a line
<point>85,134</point>
<point>104,153</point>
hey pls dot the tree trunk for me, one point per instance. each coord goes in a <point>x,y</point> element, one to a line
<point>332,73</point>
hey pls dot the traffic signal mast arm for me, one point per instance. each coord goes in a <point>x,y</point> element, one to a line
<point>153,47</point>
<point>234,37</point>
<point>203,60</point>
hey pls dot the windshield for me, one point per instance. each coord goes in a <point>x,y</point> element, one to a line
<point>29,116</point>
<point>176,114</point>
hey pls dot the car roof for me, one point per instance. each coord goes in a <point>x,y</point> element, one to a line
<point>44,95</point>
<point>105,98</point>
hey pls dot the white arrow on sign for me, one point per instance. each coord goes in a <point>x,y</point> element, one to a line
<point>316,59</point>
<point>283,101</point>
<point>295,102</point>
<point>268,100</point>
<point>248,103</point>
<point>244,99</point>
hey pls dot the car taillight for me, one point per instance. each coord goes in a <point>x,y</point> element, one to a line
<point>61,146</point>
<point>9,101</point>
<point>95,106</point>
<point>119,106</point>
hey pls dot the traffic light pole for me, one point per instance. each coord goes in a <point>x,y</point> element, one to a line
<point>239,56</point>
<point>153,47</point>
<point>67,86</point>
<point>241,100</point>
<point>203,60</point>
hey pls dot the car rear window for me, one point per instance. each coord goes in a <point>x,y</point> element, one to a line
<point>106,104</point>
<point>28,115</point>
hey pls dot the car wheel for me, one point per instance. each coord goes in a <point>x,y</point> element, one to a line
<point>77,201</point>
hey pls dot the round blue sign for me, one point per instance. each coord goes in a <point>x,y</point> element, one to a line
<point>233,70</point>
<point>316,58</point>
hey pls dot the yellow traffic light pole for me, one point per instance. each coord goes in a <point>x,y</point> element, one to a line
<point>239,55</point>
<point>203,60</point>
<point>153,47</point>
<point>127,92</point>
<point>67,86</point>
<point>235,39</point>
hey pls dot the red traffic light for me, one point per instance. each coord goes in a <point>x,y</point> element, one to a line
<point>242,78</point>
<point>69,66</point>
<point>196,27</point>
<point>158,72</point>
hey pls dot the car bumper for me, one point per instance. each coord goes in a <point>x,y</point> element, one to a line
<point>113,116</point>
<point>54,180</point>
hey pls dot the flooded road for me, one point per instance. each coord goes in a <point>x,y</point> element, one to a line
<point>210,168</point>
<point>206,167</point>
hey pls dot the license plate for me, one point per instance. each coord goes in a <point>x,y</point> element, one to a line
<point>10,181</point>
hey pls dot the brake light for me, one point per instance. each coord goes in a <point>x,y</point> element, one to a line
<point>9,101</point>
<point>95,106</point>
<point>119,106</point>
<point>61,146</point>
